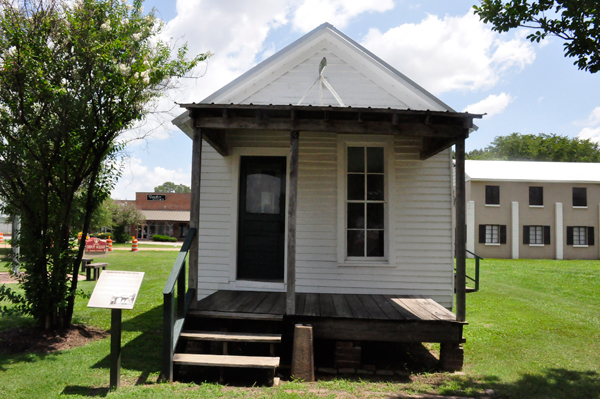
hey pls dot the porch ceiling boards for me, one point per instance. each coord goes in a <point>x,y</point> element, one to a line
<point>438,129</point>
<point>344,316</point>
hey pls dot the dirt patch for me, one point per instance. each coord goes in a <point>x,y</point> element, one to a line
<point>6,278</point>
<point>35,339</point>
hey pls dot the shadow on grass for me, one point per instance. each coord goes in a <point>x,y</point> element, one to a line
<point>85,391</point>
<point>144,352</point>
<point>550,384</point>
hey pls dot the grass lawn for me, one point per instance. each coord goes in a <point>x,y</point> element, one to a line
<point>534,332</point>
<point>148,244</point>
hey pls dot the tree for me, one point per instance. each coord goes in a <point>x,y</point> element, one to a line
<point>170,187</point>
<point>73,77</point>
<point>575,21</point>
<point>540,147</point>
<point>124,214</point>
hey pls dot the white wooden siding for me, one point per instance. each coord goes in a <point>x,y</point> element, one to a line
<point>422,233</point>
<point>353,87</point>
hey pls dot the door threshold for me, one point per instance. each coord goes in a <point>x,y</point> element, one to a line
<point>259,285</point>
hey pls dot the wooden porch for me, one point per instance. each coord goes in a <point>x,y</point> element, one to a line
<point>343,316</point>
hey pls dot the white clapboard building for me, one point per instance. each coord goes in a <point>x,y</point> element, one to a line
<point>322,191</point>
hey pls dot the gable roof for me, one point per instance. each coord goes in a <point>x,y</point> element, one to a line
<point>350,65</point>
<point>551,172</point>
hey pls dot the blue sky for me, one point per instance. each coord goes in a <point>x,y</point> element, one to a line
<point>524,87</point>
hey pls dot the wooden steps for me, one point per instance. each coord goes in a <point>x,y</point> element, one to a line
<point>251,348</point>
<point>235,315</point>
<point>191,359</point>
<point>231,337</point>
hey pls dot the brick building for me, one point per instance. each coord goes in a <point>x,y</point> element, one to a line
<point>166,214</point>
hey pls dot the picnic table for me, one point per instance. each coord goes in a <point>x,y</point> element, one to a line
<point>87,264</point>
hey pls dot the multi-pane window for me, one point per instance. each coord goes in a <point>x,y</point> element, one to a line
<point>536,196</point>
<point>579,196</point>
<point>579,235</point>
<point>492,195</point>
<point>536,234</point>
<point>492,234</point>
<point>365,202</point>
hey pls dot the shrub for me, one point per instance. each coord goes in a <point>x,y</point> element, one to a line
<point>159,237</point>
<point>104,236</point>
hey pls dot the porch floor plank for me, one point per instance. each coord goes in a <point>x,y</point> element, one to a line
<point>255,304</point>
<point>342,309</point>
<point>311,307</point>
<point>279,306</point>
<point>267,303</point>
<point>386,306</point>
<point>358,309</point>
<point>300,302</point>
<point>435,308</point>
<point>411,306</point>
<point>373,309</point>
<point>326,305</point>
<point>240,300</point>
<point>252,303</point>
<point>215,301</point>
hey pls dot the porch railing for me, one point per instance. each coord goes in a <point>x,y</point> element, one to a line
<point>476,279</point>
<point>174,316</point>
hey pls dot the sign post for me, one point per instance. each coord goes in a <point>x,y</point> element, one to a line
<point>116,290</point>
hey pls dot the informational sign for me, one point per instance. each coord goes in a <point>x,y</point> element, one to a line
<point>116,290</point>
<point>156,197</point>
<point>95,246</point>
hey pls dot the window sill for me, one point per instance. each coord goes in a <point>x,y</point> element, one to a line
<point>358,263</point>
<point>536,206</point>
<point>580,207</point>
<point>492,243</point>
<point>536,245</point>
<point>580,246</point>
<point>493,205</point>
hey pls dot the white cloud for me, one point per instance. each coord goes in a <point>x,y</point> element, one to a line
<point>312,13</point>
<point>492,105</point>
<point>591,128</point>
<point>453,53</point>
<point>139,178</point>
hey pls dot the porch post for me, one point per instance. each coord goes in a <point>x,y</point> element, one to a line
<point>290,300</point>
<point>460,230</point>
<point>195,209</point>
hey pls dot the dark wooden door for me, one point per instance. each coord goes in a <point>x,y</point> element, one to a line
<point>261,225</point>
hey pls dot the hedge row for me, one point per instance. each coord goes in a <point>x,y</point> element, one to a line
<point>158,237</point>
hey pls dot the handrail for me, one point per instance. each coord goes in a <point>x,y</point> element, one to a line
<point>476,279</point>
<point>172,324</point>
<point>474,254</point>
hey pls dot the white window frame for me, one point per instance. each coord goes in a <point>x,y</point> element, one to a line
<point>387,143</point>
<point>534,242</point>
<point>579,230</point>
<point>490,228</point>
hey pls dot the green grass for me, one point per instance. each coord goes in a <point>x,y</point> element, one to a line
<point>146,244</point>
<point>534,332</point>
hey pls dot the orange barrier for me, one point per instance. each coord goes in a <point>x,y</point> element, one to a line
<point>109,243</point>
<point>134,245</point>
<point>1,238</point>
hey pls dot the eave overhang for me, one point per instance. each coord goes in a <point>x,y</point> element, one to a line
<point>438,129</point>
